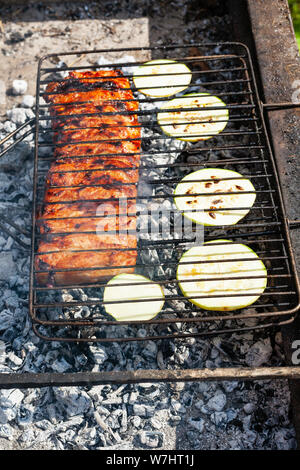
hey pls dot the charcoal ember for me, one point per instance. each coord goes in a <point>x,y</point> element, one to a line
<point>25,416</point>
<point>198,425</point>
<point>259,353</point>
<point>143,410</point>
<point>151,439</point>
<point>72,401</point>
<point>13,160</point>
<point>7,265</point>
<point>217,402</point>
<point>99,354</point>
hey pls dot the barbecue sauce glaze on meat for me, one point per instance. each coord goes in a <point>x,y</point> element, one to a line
<point>96,159</point>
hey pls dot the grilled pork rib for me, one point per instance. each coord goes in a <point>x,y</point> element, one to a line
<point>96,159</point>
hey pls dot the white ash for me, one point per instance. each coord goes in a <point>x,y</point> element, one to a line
<point>28,101</point>
<point>229,415</point>
<point>19,87</point>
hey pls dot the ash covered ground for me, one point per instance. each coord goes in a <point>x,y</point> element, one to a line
<point>205,415</point>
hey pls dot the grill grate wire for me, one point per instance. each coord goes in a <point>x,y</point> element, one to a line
<point>243,146</point>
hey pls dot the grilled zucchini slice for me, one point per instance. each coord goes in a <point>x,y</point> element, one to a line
<point>189,118</point>
<point>124,288</point>
<point>225,292</point>
<point>207,209</point>
<point>160,78</point>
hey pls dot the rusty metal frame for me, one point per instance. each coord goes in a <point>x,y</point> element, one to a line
<point>278,65</point>
<point>32,380</point>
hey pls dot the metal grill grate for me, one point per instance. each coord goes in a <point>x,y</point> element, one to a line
<point>76,312</point>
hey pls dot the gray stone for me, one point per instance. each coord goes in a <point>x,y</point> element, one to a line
<point>133,397</point>
<point>16,360</point>
<point>2,352</point>
<point>150,349</point>
<point>19,87</point>
<point>146,385</point>
<point>214,353</point>
<point>7,414</point>
<point>204,410</point>
<point>29,113</point>
<point>175,419</point>
<point>282,440</point>
<point>231,414</point>
<point>28,436</point>
<point>246,423</point>
<point>251,436</point>
<point>3,417</point>
<point>14,398</point>
<point>13,160</point>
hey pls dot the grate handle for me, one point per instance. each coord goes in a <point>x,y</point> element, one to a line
<point>4,221</point>
<point>294,224</point>
<point>281,105</point>
<point>65,379</point>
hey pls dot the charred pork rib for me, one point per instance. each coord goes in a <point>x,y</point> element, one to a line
<point>96,160</point>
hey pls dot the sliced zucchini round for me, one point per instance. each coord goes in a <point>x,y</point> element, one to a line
<point>123,288</point>
<point>207,209</point>
<point>210,261</point>
<point>160,78</point>
<point>191,121</point>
